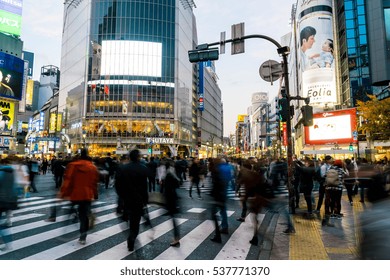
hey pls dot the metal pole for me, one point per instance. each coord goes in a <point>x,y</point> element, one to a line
<point>289,140</point>
<point>284,54</point>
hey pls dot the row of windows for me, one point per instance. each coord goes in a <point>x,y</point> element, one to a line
<point>133,9</point>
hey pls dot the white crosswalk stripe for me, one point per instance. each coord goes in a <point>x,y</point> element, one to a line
<point>36,239</point>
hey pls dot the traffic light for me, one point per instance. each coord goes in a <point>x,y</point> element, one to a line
<point>150,150</point>
<point>351,147</point>
<point>307,115</point>
<point>203,55</point>
<point>284,108</point>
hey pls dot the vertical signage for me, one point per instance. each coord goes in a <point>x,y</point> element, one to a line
<point>201,87</point>
<point>285,142</point>
<point>41,121</point>
<point>315,51</point>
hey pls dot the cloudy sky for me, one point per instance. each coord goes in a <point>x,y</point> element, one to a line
<point>238,74</point>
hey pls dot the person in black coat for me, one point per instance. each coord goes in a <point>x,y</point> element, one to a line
<point>307,174</point>
<point>172,182</point>
<point>194,173</point>
<point>131,183</point>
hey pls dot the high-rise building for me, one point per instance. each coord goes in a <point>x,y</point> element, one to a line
<point>126,80</point>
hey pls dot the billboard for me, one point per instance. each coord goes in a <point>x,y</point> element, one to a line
<point>315,51</point>
<point>11,16</point>
<point>7,114</point>
<point>332,127</point>
<point>135,58</point>
<point>29,57</point>
<point>11,76</point>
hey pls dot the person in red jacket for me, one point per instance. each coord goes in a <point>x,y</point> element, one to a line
<point>80,183</point>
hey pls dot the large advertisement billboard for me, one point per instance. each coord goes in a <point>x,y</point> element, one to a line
<point>11,76</point>
<point>11,16</point>
<point>332,127</point>
<point>7,114</point>
<point>135,58</point>
<point>315,55</point>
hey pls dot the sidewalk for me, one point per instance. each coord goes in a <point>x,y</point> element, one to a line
<point>312,241</point>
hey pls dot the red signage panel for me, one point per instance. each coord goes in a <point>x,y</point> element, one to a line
<point>332,127</point>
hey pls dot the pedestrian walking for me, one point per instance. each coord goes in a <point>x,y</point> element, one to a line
<point>8,199</point>
<point>58,169</point>
<point>307,174</point>
<point>220,171</point>
<point>33,167</point>
<point>172,183</point>
<point>194,173</point>
<point>152,165</point>
<point>131,183</point>
<point>80,186</point>
<point>45,165</point>
<point>350,179</point>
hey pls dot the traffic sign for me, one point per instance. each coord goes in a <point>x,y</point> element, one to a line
<point>271,70</point>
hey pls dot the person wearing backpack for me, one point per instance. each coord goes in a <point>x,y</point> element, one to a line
<point>334,184</point>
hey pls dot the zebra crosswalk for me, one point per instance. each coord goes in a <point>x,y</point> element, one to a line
<point>33,238</point>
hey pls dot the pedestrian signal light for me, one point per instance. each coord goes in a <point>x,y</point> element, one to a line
<point>350,147</point>
<point>150,150</point>
<point>283,109</point>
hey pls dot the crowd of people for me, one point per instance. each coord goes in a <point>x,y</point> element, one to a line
<point>260,183</point>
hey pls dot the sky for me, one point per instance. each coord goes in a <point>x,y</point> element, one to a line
<point>238,74</point>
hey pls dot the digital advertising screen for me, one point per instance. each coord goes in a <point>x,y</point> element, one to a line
<point>134,58</point>
<point>11,16</point>
<point>332,127</point>
<point>11,76</point>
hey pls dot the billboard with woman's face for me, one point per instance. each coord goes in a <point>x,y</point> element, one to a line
<point>315,45</point>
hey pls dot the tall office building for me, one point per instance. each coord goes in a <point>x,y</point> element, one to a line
<point>126,80</point>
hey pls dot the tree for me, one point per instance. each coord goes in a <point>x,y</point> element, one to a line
<point>374,117</point>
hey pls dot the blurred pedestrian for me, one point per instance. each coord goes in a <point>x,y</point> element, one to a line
<point>131,183</point>
<point>350,179</point>
<point>375,220</point>
<point>80,186</point>
<point>172,183</point>
<point>152,165</point>
<point>8,199</point>
<point>109,166</point>
<point>45,165</point>
<point>220,177</point>
<point>306,182</point>
<point>194,173</point>
<point>58,169</point>
<point>202,172</point>
<point>328,160</point>
<point>33,167</point>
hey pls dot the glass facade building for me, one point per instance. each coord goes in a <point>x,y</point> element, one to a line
<point>358,49</point>
<point>126,80</point>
